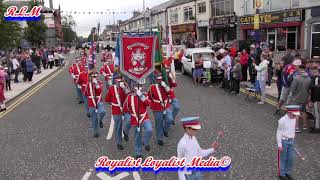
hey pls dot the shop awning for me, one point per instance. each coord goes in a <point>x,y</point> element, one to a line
<point>266,26</point>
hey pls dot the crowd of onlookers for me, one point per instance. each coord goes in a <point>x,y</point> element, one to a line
<point>27,62</point>
<point>297,78</point>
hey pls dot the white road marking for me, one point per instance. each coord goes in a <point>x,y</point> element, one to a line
<point>136,176</point>
<point>104,176</point>
<point>86,175</point>
<point>110,132</point>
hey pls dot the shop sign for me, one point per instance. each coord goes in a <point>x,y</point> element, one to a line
<point>276,17</point>
<point>226,21</point>
<point>184,28</point>
<point>203,23</point>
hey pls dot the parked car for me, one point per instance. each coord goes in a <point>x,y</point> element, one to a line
<point>190,56</point>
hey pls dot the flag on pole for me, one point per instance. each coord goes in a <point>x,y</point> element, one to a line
<point>170,52</point>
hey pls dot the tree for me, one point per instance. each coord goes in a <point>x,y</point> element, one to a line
<point>69,35</point>
<point>35,33</point>
<point>10,32</point>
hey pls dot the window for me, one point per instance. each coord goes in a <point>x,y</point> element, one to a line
<point>283,4</point>
<point>294,3</point>
<point>269,5</point>
<point>201,7</point>
<point>222,7</point>
<point>174,15</point>
<point>188,14</point>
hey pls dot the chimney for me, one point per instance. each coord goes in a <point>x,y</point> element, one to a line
<point>51,4</point>
<point>136,13</point>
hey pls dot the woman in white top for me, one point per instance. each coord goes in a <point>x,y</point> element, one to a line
<point>51,59</point>
<point>262,75</point>
<point>56,58</point>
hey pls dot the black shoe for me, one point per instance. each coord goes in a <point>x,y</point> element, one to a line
<point>96,135</point>
<point>283,177</point>
<point>138,156</point>
<point>88,115</point>
<point>165,134</point>
<point>120,147</point>
<point>315,130</point>
<point>160,142</point>
<point>4,109</point>
<point>100,124</point>
<point>289,177</point>
<point>276,112</point>
<point>80,102</point>
<point>173,123</point>
<point>125,136</point>
<point>147,148</point>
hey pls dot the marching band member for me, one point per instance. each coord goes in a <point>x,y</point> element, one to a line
<point>188,147</point>
<point>82,82</point>
<point>116,96</point>
<point>97,111</point>
<point>107,71</point>
<point>75,71</point>
<point>159,95</point>
<point>136,104</point>
<point>175,104</point>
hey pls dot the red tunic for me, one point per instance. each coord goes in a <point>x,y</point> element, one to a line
<point>111,98</point>
<point>153,94</point>
<point>83,80</point>
<point>108,70</point>
<point>76,70</point>
<point>108,56</point>
<point>172,85</point>
<point>132,108</point>
<point>93,94</point>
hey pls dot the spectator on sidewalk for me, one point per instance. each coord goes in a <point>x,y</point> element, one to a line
<point>236,76</point>
<point>287,75</point>
<point>2,82</point>
<point>299,94</point>
<point>270,69</point>
<point>61,59</point>
<point>51,59</point>
<point>36,60</point>
<point>16,69</point>
<point>56,58</point>
<point>244,64</point>
<point>24,57</point>
<point>262,75</point>
<point>251,60</point>
<point>8,78</point>
<point>30,66</point>
<point>198,71</point>
<point>279,69</point>
<point>315,97</point>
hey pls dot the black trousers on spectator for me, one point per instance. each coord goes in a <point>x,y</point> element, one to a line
<point>30,75</point>
<point>244,73</point>
<point>56,62</point>
<point>25,74</point>
<point>51,63</point>
<point>8,84</point>
<point>236,85</point>
<point>16,75</point>
<point>279,86</point>
<point>44,63</point>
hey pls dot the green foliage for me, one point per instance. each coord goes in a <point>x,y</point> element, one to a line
<point>10,32</point>
<point>69,35</point>
<point>35,33</point>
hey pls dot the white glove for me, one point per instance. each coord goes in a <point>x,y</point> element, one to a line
<point>139,93</point>
<point>104,74</point>
<point>163,84</point>
<point>79,86</point>
<point>122,85</point>
<point>73,76</point>
<point>94,80</point>
<point>170,75</point>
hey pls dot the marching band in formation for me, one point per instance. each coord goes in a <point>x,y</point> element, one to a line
<point>129,103</point>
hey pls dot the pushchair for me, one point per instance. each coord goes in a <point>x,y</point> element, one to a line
<point>253,91</point>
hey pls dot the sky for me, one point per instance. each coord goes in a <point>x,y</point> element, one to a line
<point>85,21</point>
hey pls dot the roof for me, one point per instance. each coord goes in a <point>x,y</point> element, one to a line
<point>162,7</point>
<point>179,2</point>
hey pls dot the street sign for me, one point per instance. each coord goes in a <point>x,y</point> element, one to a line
<point>137,56</point>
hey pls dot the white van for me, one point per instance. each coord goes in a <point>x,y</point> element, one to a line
<point>190,56</point>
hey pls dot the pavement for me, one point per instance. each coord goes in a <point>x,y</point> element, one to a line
<point>47,137</point>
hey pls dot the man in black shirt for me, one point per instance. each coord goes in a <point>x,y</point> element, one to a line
<point>315,97</point>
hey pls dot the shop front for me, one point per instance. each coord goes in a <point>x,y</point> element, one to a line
<point>281,30</point>
<point>203,30</point>
<point>313,30</point>
<point>223,28</point>
<point>183,32</point>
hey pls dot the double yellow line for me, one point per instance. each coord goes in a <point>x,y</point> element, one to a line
<point>30,92</point>
<point>269,101</point>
